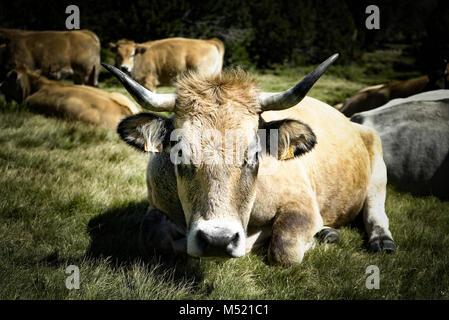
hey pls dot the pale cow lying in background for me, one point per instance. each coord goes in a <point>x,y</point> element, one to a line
<point>208,200</point>
<point>76,102</point>
<point>160,62</point>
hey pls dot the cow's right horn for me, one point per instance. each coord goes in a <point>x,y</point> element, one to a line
<point>147,99</point>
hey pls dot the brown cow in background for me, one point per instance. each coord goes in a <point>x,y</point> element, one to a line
<point>376,96</point>
<point>53,53</point>
<point>160,62</point>
<point>75,102</point>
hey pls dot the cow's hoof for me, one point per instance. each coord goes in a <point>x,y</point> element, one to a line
<point>328,235</point>
<point>382,244</point>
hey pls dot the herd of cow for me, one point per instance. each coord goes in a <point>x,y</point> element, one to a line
<point>330,165</point>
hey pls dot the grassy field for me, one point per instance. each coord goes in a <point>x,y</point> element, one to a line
<point>74,194</point>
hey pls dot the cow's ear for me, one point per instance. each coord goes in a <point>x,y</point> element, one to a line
<point>140,50</point>
<point>146,131</point>
<point>294,138</point>
<point>112,45</point>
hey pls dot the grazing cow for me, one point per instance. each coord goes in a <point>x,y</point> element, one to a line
<point>376,96</point>
<point>213,199</point>
<point>76,102</point>
<point>160,62</point>
<point>54,53</point>
<point>415,141</point>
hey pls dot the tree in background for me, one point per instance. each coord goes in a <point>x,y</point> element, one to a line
<point>256,32</point>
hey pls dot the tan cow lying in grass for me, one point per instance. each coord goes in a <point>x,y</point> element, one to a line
<point>76,102</point>
<point>160,62</point>
<point>213,199</point>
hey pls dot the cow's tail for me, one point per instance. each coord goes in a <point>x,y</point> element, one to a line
<point>93,75</point>
<point>221,50</point>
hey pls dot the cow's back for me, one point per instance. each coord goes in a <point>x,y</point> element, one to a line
<point>81,103</point>
<point>170,57</point>
<point>365,99</point>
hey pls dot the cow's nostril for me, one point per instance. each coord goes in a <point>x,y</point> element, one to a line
<point>235,239</point>
<point>216,244</point>
<point>203,239</point>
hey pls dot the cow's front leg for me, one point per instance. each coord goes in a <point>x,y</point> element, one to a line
<point>150,82</point>
<point>293,234</point>
<point>159,234</point>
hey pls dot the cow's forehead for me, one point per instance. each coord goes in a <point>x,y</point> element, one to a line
<point>226,101</point>
<point>244,126</point>
<point>209,146</point>
<point>126,47</point>
<point>125,44</point>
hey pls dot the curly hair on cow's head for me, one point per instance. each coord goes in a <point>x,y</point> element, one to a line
<point>233,88</point>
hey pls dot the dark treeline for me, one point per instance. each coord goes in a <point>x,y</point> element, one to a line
<point>256,32</point>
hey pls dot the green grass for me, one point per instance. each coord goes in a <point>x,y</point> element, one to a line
<point>74,194</point>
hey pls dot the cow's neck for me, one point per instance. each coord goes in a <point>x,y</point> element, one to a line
<point>37,82</point>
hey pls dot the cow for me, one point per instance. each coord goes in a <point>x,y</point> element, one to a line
<point>55,54</point>
<point>415,141</point>
<point>160,62</point>
<point>125,51</point>
<point>77,102</point>
<point>209,200</point>
<point>378,95</point>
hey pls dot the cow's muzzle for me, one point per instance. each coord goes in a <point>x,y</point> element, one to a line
<point>125,68</point>
<point>221,240</point>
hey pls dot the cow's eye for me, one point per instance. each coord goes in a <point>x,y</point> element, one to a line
<point>251,163</point>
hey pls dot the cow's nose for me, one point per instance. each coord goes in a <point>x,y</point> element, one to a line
<point>124,68</point>
<point>217,245</point>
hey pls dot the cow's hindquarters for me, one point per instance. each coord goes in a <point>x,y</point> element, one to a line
<point>374,216</point>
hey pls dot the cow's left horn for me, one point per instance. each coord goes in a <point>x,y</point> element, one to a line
<point>289,98</point>
<point>147,99</point>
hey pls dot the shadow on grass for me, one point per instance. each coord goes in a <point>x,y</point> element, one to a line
<point>115,235</point>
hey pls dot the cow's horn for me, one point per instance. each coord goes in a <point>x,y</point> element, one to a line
<point>147,99</point>
<point>292,96</point>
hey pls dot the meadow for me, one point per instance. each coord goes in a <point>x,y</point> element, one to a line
<point>74,194</point>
